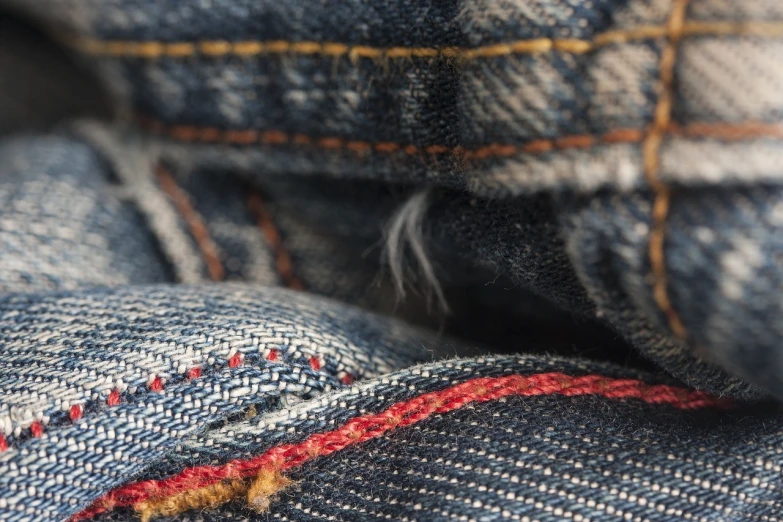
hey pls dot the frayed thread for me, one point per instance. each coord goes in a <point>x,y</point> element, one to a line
<point>405,231</point>
<point>259,496</point>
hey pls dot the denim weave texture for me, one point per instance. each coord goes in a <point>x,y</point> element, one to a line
<point>200,290</point>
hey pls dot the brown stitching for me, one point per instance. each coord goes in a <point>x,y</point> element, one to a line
<point>217,48</point>
<point>283,262</point>
<point>651,153</point>
<point>723,131</point>
<point>198,229</point>
<point>729,131</point>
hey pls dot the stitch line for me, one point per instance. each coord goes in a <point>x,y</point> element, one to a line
<point>266,224</point>
<point>723,131</point>
<point>651,150</point>
<point>198,228</point>
<point>156,384</point>
<point>217,48</point>
<point>405,413</point>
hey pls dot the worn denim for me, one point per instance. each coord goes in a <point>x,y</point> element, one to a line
<point>193,293</point>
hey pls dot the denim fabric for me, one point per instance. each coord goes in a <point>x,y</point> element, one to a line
<point>524,458</point>
<point>460,94</point>
<point>109,376</point>
<point>201,280</point>
<point>61,212</point>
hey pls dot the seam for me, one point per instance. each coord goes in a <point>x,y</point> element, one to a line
<point>651,151</point>
<point>401,414</point>
<point>266,224</point>
<point>739,131</point>
<point>198,229</point>
<point>156,384</point>
<point>215,48</point>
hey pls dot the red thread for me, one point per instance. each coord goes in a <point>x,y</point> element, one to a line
<point>3,443</point>
<point>405,413</point>
<point>194,373</point>
<point>36,429</point>
<point>315,363</point>
<point>76,411</point>
<point>157,384</point>
<point>348,379</point>
<point>114,398</point>
<point>273,355</point>
<point>235,360</point>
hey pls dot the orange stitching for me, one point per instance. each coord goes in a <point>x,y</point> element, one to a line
<point>216,48</point>
<point>285,267</point>
<point>208,249</point>
<point>723,131</point>
<point>651,154</point>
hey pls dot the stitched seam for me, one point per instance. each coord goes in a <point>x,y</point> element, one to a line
<point>216,48</point>
<point>156,383</point>
<point>651,150</point>
<point>406,413</point>
<point>722,131</point>
<point>283,263</point>
<point>207,247</point>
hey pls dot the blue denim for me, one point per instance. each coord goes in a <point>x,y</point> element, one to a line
<point>201,280</point>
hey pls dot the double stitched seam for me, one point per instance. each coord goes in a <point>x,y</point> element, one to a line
<point>406,413</point>
<point>216,48</point>
<point>198,229</point>
<point>651,150</point>
<point>728,132</point>
<point>266,224</point>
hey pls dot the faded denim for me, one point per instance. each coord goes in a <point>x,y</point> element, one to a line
<point>196,281</point>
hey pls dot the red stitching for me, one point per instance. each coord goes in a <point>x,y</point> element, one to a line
<point>114,398</point>
<point>76,411</point>
<point>348,379</point>
<point>273,355</point>
<point>157,384</point>
<point>235,360</point>
<point>315,363</point>
<point>36,429</point>
<point>194,373</point>
<point>406,413</point>
<point>3,443</point>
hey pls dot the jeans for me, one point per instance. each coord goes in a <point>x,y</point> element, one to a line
<point>420,260</point>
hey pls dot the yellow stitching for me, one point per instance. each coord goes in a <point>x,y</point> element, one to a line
<point>259,495</point>
<point>651,153</point>
<point>215,48</point>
